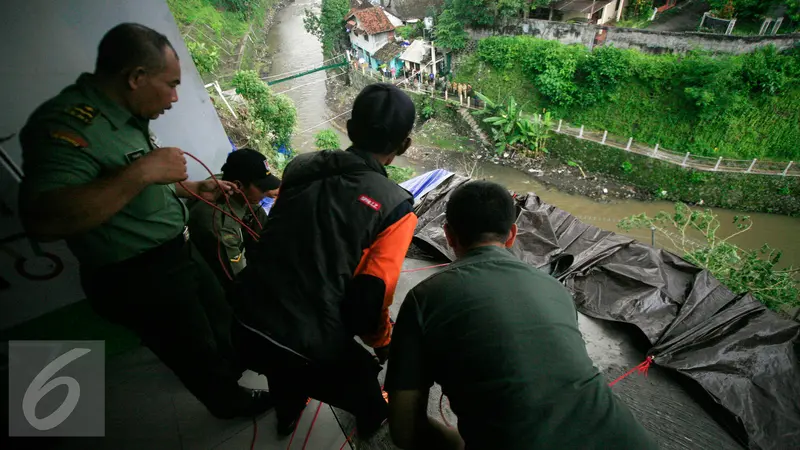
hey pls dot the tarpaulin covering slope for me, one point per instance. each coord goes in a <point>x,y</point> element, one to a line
<point>745,356</point>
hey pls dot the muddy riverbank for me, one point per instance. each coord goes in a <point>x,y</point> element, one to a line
<point>467,158</point>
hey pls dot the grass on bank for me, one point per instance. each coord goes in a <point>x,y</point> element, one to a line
<point>741,107</point>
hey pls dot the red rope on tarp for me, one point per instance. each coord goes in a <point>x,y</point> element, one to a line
<point>424,268</point>
<point>311,427</point>
<point>641,368</point>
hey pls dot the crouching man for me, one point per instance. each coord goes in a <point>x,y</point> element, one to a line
<point>502,339</point>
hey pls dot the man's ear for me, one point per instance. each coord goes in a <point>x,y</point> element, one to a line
<point>512,235</point>
<point>137,78</point>
<point>406,144</point>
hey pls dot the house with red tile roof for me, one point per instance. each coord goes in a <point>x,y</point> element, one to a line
<point>371,33</point>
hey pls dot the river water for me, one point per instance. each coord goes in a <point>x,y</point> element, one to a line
<point>294,49</point>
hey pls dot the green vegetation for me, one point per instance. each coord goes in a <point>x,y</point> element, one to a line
<point>328,26</point>
<point>269,119</point>
<point>399,174</point>
<point>513,131</point>
<point>411,31</point>
<point>327,139</point>
<point>449,32</point>
<point>224,23</point>
<point>739,191</point>
<point>738,269</point>
<point>744,106</point>
<point>489,13</point>
<point>440,134</point>
<point>206,59</point>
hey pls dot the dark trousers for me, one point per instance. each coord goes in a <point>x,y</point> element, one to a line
<point>171,299</point>
<point>349,383</point>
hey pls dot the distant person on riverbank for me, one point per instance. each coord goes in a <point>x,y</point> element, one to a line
<point>502,339</point>
<point>328,263</point>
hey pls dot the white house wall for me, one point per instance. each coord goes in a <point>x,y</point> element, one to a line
<point>46,44</point>
<point>371,44</point>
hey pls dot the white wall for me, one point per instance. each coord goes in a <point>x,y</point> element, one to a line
<point>46,44</point>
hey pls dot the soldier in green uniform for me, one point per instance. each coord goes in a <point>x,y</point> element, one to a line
<point>95,177</point>
<point>219,238</point>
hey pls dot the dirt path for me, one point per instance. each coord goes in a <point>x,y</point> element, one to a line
<point>686,19</point>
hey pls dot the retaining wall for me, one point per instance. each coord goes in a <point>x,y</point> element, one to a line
<point>643,40</point>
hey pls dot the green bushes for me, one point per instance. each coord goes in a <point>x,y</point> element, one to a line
<point>206,59</point>
<point>745,106</point>
<point>275,115</point>
<point>327,139</point>
<point>739,191</point>
<point>739,269</point>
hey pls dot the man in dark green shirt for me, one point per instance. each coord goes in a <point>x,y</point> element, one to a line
<point>95,176</point>
<point>220,239</point>
<point>502,339</point>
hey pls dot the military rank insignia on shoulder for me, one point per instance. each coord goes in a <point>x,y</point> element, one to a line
<point>70,138</point>
<point>83,112</point>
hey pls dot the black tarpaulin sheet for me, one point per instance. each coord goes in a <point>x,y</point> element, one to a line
<point>742,354</point>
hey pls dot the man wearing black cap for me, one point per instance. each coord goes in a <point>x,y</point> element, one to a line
<point>332,252</point>
<point>220,239</point>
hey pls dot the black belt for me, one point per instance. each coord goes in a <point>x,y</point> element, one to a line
<point>172,246</point>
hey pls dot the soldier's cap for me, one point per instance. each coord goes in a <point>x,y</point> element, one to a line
<point>383,116</point>
<point>250,167</point>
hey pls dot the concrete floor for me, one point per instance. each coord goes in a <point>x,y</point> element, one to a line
<point>148,408</point>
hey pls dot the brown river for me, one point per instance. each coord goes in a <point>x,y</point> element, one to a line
<point>294,49</point>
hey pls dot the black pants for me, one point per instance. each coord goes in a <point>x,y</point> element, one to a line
<point>170,298</point>
<point>350,383</point>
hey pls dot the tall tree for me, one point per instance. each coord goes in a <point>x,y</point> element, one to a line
<point>449,32</point>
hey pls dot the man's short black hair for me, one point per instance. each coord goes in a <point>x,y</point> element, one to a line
<point>130,45</point>
<point>383,116</point>
<point>479,212</point>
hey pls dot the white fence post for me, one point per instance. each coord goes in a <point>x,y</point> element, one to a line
<point>219,91</point>
<point>702,21</point>
<point>718,162</point>
<point>580,135</point>
<point>559,126</point>
<point>750,169</point>
<point>764,26</point>
<point>777,25</point>
<point>655,150</point>
<point>685,158</point>
<point>786,170</point>
<point>605,135</point>
<point>628,147</point>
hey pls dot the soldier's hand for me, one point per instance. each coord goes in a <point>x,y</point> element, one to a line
<point>165,165</point>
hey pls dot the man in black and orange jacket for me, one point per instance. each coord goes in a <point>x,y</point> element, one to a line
<point>326,268</point>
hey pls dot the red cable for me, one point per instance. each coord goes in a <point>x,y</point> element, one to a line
<point>222,191</point>
<point>295,427</point>
<point>311,427</point>
<point>349,438</point>
<point>642,368</point>
<point>253,233</point>
<point>424,268</point>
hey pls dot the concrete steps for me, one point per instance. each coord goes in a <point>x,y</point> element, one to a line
<point>476,129</point>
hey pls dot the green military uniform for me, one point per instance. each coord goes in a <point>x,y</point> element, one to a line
<point>82,135</point>
<point>218,236</point>
<point>502,339</point>
<point>137,269</point>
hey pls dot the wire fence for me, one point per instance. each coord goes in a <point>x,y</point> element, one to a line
<point>688,160</point>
